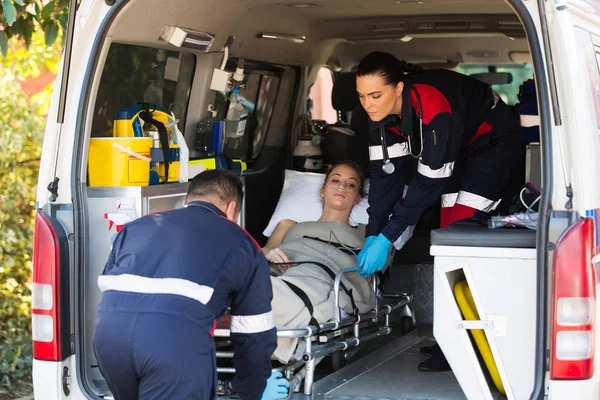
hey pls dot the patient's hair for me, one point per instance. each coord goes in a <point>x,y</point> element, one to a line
<point>222,183</point>
<point>354,166</point>
<point>388,67</point>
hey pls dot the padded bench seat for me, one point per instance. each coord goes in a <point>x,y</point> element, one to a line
<point>472,234</point>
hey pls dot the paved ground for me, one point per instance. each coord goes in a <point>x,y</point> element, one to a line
<point>7,397</point>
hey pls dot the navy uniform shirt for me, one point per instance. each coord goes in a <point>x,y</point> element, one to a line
<point>200,263</point>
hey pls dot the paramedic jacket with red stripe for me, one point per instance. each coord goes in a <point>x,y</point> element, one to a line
<point>212,263</point>
<point>454,111</point>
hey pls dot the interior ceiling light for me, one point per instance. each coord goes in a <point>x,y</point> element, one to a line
<point>409,2</point>
<point>182,37</point>
<point>281,36</point>
<point>301,5</point>
<point>370,39</point>
<point>483,54</point>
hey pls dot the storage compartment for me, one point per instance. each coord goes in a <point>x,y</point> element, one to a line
<point>499,268</point>
<point>109,208</point>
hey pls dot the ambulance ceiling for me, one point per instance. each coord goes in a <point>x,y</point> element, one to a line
<point>440,31</point>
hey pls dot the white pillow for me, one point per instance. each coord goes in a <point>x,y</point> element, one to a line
<point>300,201</point>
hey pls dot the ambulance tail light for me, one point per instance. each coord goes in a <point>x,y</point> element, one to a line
<point>50,329</point>
<point>574,280</point>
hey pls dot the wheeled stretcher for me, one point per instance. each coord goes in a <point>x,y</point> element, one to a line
<point>334,337</point>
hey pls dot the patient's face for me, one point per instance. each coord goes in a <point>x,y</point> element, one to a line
<point>341,190</point>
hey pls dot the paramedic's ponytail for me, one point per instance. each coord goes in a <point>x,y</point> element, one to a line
<point>411,70</point>
<point>388,67</point>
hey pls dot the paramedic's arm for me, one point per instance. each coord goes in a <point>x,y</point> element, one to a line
<point>384,189</point>
<point>440,149</point>
<point>253,332</point>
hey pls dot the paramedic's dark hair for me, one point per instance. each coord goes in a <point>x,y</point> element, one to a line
<point>222,183</point>
<point>355,167</point>
<point>388,67</point>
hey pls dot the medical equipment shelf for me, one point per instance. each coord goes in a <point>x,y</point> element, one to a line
<point>108,210</point>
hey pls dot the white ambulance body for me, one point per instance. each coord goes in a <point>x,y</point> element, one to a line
<point>562,44</point>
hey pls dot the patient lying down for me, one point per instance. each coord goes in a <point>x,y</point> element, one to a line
<point>306,256</point>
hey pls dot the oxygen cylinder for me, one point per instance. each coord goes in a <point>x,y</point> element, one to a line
<point>307,154</point>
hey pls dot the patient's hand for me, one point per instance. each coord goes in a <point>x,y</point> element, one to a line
<point>277,255</point>
<point>281,268</point>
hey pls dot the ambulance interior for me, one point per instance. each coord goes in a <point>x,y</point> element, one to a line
<point>299,58</point>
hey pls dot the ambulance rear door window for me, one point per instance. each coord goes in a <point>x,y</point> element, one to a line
<point>134,74</point>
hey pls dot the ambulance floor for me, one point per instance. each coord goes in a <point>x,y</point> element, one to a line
<point>390,373</point>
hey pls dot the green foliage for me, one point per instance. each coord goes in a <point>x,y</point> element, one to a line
<point>21,131</point>
<point>30,34</point>
<point>30,63</point>
<point>21,18</point>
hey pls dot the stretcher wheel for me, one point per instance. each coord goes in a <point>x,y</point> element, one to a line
<point>338,360</point>
<point>407,325</point>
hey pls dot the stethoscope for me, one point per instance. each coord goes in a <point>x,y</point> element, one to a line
<point>388,167</point>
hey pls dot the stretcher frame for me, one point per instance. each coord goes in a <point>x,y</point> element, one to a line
<point>339,334</point>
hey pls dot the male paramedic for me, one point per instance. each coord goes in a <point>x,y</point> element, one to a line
<point>168,277</point>
<point>467,141</point>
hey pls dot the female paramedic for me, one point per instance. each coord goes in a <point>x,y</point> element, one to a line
<point>466,139</point>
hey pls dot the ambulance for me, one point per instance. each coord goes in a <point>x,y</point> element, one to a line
<point>535,289</point>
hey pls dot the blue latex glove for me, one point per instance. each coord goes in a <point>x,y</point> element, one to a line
<point>361,258</point>
<point>277,387</point>
<point>373,255</point>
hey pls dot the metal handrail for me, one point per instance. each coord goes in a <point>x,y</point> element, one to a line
<point>336,291</point>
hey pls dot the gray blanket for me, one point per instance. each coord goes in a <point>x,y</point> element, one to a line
<point>310,242</point>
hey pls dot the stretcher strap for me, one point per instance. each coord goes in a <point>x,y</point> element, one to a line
<point>383,276</point>
<point>344,249</point>
<point>344,288</point>
<point>307,303</point>
<point>332,275</point>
